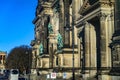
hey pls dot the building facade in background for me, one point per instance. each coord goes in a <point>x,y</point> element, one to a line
<point>94,36</point>
<point>2,59</point>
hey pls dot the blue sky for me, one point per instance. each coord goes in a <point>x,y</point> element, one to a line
<point>16,26</point>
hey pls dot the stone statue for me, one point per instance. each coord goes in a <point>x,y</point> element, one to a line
<point>41,49</point>
<point>57,6</point>
<point>60,41</point>
<point>50,28</point>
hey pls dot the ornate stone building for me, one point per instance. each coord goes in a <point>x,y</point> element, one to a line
<point>2,59</point>
<point>115,45</point>
<point>80,27</point>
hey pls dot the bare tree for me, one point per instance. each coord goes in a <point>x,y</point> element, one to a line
<point>19,58</point>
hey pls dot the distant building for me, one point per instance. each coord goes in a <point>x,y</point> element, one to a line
<point>2,59</point>
<point>96,39</point>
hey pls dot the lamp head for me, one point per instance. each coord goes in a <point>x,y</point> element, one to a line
<point>67,28</point>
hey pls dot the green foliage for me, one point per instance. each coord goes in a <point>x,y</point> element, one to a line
<point>19,58</point>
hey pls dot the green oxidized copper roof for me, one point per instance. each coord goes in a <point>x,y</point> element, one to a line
<point>1,51</point>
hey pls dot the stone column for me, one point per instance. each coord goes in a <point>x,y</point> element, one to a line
<point>51,55</point>
<point>61,18</point>
<point>34,58</point>
<point>93,46</point>
<point>110,30</point>
<point>93,55</point>
<point>41,63</point>
<point>87,45</point>
<point>103,42</point>
<point>37,51</point>
<point>62,61</point>
<point>80,47</point>
<point>52,48</point>
<point>66,23</point>
<point>104,59</point>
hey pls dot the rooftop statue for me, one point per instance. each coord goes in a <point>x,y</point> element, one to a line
<point>41,49</point>
<point>57,6</point>
<point>50,28</point>
<point>60,41</point>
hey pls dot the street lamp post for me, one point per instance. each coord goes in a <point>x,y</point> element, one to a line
<point>67,28</point>
<point>29,66</point>
<point>28,54</point>
<point>73,70</point>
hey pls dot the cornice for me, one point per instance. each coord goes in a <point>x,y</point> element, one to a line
<point>92,11</point>
<point>36,19</point>
<point>48,7</point>
<point>87,8</point>
<point>106,3</point>
<point>49,4</point>
<point>84,6</point>
<point>87,17</point>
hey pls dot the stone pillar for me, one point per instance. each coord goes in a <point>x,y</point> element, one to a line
<point>52,48</point>
<point>51,55</point>
<point>66,23</point>
<point>34,58</point>
<point>103,43</point>
<point>82,54</point>
<point>37,63</point>
<point>110,30</point>
<point>37,60</point>
<point>79,49</point>
<point>93,55</point>
<point>87,49</point>
<point>104,47</point>
<point>75,37</point>
<point>61,18</point>
<point>61,60</point>
<point>41,63</point>
<point>93,46</point>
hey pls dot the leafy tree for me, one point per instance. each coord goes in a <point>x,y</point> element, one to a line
<point>19,58</point>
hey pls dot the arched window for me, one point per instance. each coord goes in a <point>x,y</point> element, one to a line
<point>57,61</point>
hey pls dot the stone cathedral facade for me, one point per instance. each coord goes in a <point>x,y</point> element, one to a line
<point>95,39</point>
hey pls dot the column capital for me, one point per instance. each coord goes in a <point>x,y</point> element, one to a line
<point>102,16</point>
